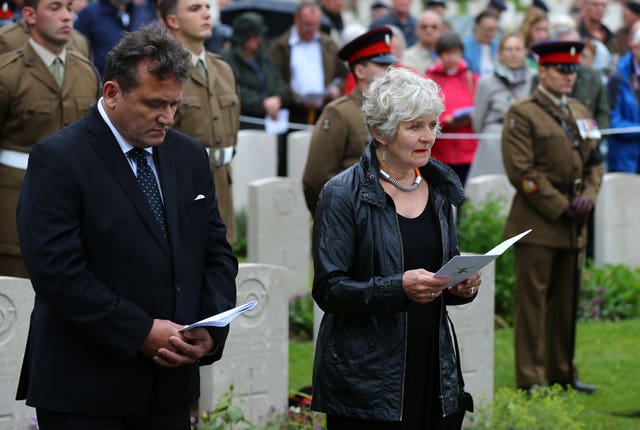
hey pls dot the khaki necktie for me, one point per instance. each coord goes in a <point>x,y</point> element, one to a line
<point>57,70</point>
<point>201,69</point>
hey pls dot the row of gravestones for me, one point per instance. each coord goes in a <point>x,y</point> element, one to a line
<point>615,221</point>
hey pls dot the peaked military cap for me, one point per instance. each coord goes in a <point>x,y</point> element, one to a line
<point>374,45</point>
<point>564,54</point>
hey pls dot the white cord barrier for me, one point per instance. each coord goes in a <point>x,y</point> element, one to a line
<point>495,136</point>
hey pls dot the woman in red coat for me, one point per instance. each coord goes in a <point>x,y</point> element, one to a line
<point>458,86</point>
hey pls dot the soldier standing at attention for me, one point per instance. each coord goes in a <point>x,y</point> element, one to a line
<point>550,152</point>
<point>340,135</point>
<point>43,88</point>
<point>14,36</point>
<point>210,107</point>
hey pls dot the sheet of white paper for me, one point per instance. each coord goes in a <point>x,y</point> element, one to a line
<point>279,125</point>
<point>461,267</point>
<point>223,318</point>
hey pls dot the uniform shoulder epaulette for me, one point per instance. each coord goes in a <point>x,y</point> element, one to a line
<point>10,57</point>
<point>341,100</point>
<point>79,56</point>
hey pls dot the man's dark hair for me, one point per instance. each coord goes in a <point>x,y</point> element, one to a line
<point>154,43</point>
<point>448,41</point>
<point>487,13</point>
<point>30,3</point>
<point>167,7</point>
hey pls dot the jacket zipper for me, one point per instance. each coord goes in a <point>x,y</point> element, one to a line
<point>406,328</point>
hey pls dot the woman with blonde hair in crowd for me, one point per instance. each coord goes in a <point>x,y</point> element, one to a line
<point>535,27</point>
<point>509,82</point>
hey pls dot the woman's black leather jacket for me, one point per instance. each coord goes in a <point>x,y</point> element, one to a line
<point>359,361</point>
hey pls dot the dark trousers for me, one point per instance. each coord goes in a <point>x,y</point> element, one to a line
<point>145,420</point>
<point>543,319</point>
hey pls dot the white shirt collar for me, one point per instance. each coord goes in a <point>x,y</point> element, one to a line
<point>46,55</point>
<point>195,57</point>
<point>294,38</point>
<point>122,142</point>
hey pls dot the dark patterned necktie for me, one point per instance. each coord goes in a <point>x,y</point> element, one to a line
<point>147,181</point>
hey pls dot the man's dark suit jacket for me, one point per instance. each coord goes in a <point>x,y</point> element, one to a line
<point>102,271</point>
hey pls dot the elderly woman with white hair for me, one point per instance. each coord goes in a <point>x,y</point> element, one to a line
<point>385,358</point>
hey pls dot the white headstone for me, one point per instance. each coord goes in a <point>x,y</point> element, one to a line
<point>490,187</point>
<point>474,324</point>
<point>297,150</point>
<point>279,229</point>
<point>488,157</point>
<point>16,304</point>
<point>616,221</point>
<point>256,158</point>
<point>256,354</point>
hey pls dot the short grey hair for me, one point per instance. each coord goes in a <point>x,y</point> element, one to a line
<point>399,95</point>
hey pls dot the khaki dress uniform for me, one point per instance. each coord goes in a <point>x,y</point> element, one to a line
<point>14,36</point>
<point>548,166</point>
<point>32,107</point>
<point>338,141</point>
<point>210,113</point>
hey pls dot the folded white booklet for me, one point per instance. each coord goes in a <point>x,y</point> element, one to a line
<point>223,318</point>
<point>461,267</point>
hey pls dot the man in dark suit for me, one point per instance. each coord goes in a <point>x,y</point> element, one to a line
<point>122,238</point>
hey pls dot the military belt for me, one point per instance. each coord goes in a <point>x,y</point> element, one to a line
<point>571,188</point>
<point>15,159</point>
<point>220,156</point>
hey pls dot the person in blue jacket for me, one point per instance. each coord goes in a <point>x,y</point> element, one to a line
<point>104,21</point>
<point>481,47</point>
<point>624,149</point>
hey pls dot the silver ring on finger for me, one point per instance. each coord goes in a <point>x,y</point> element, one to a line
<point>433,294</point>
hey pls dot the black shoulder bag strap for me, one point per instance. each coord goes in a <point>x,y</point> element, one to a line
<point>465,398</point>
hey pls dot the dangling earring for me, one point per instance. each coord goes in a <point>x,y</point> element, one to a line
<point>384,154</point>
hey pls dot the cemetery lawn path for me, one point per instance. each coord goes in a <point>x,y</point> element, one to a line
<point>607,354</point>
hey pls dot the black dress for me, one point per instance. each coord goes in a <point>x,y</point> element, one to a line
<point>422,248</point>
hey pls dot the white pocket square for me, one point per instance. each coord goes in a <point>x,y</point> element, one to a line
<point>199,197</point>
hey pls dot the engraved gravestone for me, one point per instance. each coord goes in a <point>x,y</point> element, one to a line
<point>16,303</point>
<point>255,159</point>
<point>490,187</point>
<point>297,150</point>
<point>256,354</point>
<point>279,229</point>
<point>616,221</point>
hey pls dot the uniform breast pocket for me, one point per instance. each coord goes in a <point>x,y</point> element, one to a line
<point>38,120</point>
<point>230,110</point>
<point>552,148</point>
<point>84,104</point>
<point>190,117</point>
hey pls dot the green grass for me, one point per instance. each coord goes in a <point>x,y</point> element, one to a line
<point>607,355</point>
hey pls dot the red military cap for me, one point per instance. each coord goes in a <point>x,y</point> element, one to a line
<point>558,51</point>
<point>374,45</point>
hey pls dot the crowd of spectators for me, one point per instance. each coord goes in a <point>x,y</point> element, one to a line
<point>299,69</point>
